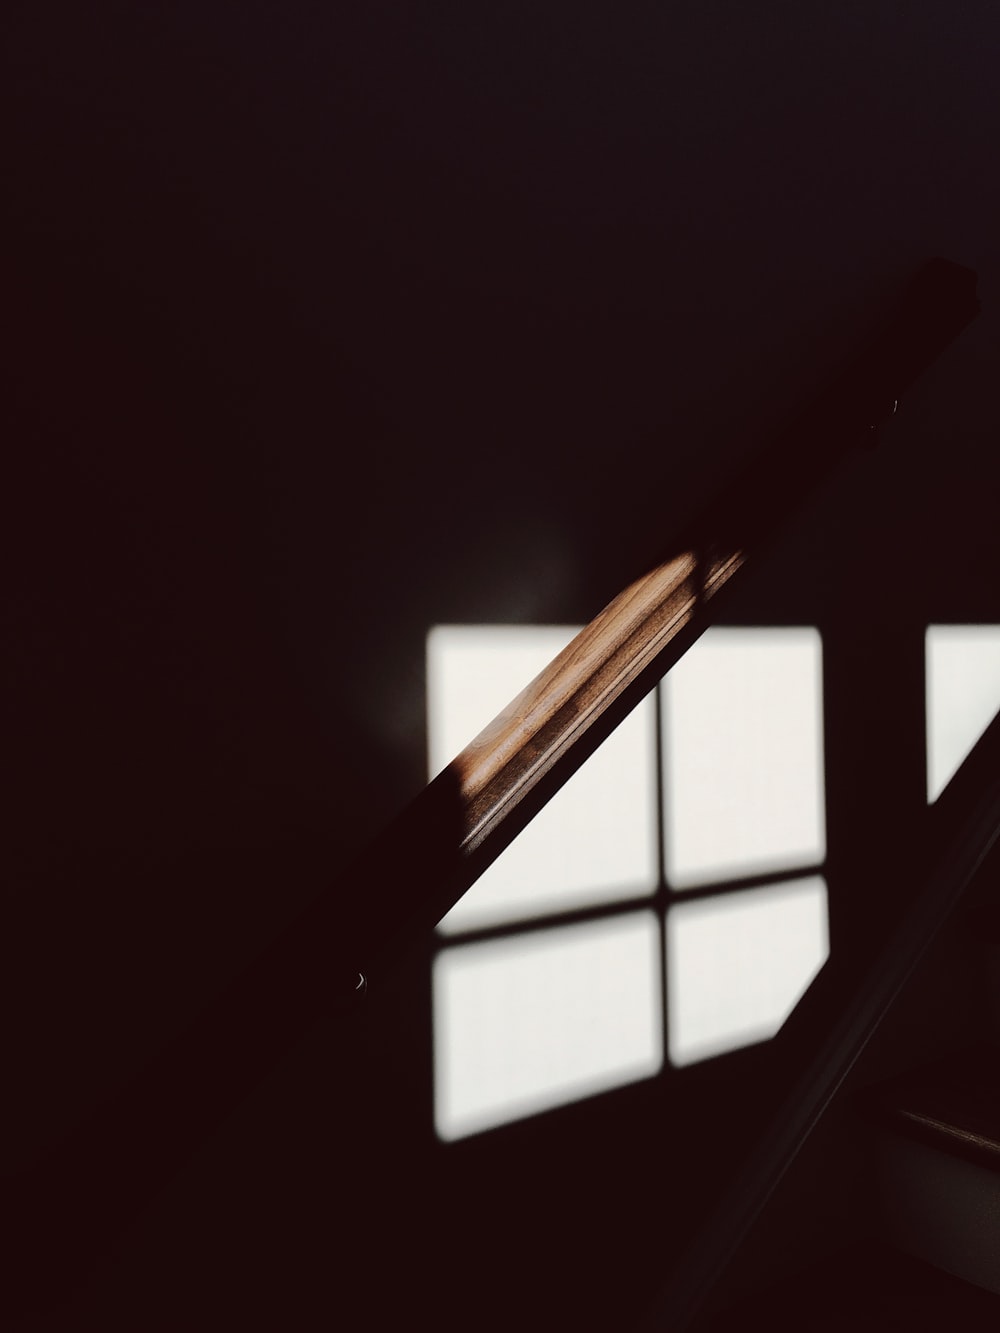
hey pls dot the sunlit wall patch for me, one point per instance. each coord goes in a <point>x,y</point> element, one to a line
<point>962,664</point>
<point>738,963</point>
<point>595,841</point>
<point>538,1015</point>
<point>534,1021</point>
<point>743,755</point>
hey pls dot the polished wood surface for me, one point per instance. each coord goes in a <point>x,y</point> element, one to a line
<point>525,740</point>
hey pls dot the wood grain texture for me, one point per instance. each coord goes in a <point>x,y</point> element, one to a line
<point>503,763</point>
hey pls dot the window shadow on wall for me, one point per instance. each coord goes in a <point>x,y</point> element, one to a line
<point>667,906</point>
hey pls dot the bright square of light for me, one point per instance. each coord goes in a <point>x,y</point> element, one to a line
<point>963,695</point>
<point>525,1024</point>
<point>743,755</point>
<point>738,963</point>
<point>595,841</point>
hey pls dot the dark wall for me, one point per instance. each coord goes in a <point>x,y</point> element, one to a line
<point>326,325</point>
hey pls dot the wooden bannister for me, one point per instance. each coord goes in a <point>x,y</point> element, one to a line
<point>496,784</point>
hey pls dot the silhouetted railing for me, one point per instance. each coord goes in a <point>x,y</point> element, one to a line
<point>966,851</point>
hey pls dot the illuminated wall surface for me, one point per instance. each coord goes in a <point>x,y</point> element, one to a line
<point>691,844</point>
<point>718,779</point>
<point>963,695</point>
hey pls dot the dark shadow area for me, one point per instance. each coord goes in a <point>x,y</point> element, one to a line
<point>868,1287</point>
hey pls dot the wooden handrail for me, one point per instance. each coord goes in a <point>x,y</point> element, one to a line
<point>544,734</point>
<point>528,738</point>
